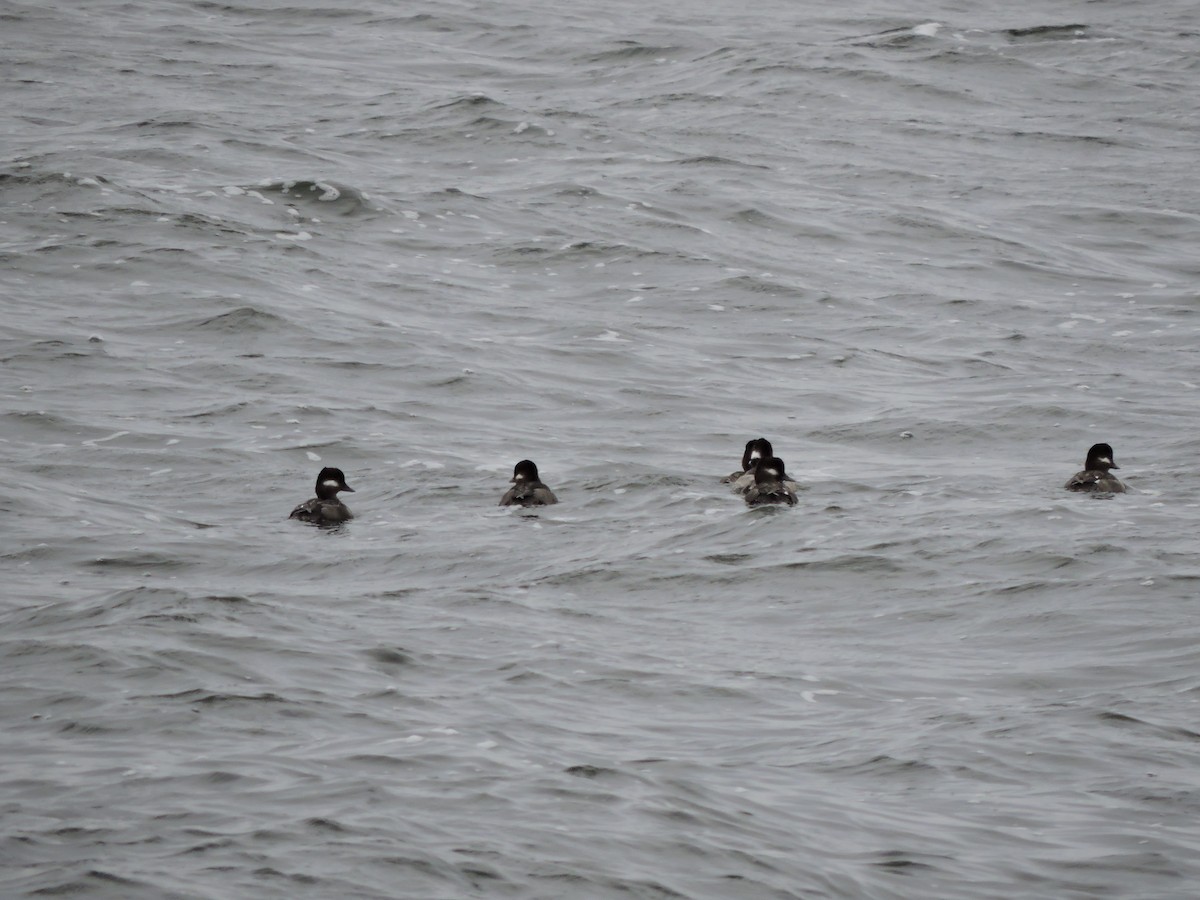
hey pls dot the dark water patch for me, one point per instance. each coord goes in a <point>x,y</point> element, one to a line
<point>72,181</point>
<point>1099,140</point>
<point>581,252</point>
<point>326,825</point>
<point>590,771</point>
<point>777,223</point>
<point>524,251</point>
<point>168,124</point>
<point>228,599</point>
<point>1121,720</point>
<point>219,777</point>
<point>1117,863</point>
<point>470,101</point>
<point>729,559</point>
<point>14,352</point>
<point>142,561</point>
<point>88,729</point>
<point>717,161</point>
<point>241,66</point>
<point>99,883</point>
<point>1048,32</point>
<point>291,15</point>
<point>78,656</point>
<point>675,99</point>
<point>203,697</point>
<point>887,767</point>
<point>752,285</point>
<point>855,562</point>
<point>1181,801</point>
<point>573,190</point>
<point>529,677</point>
<point>390,656</point>
<point>271,873</point>
<point>632,51</point>
<point>212,225</point>
<point>451,201</point>
<point>359,366</point>
<point>439,22</point>
<point>210,846</point>
<point>171,618</point>
<point>901,862</point>
<point>238,321</point>
<point>1035,586</point>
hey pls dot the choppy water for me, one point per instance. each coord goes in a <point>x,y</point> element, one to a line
<point>933,255</point>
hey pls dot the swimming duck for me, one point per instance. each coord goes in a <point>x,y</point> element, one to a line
<point>770,484</point>
<point>326,508</point>
<point>1095,477</point>
<point>527,489</point>
<point>756,449</point>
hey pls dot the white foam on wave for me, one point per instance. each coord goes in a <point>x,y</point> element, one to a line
<point>111,437</point>
<point>330,193</point>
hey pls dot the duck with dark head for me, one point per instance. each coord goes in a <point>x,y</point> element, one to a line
<point>326,508</point>
<point>771,484</point>
<point>1095,477</point>
<point>527,488</point>
<point>756,449</point>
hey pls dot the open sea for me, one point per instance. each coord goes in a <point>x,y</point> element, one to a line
<point>932,251</point>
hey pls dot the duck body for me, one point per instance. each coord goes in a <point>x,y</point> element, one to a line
<point>1095,477</point>
<point>326,508</point>
<point>756,449</point>
<point>527,488</point>
<point>770,484</point>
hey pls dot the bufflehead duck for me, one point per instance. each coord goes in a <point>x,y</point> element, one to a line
<point>1095,477</point>
<point>743,481</point>
<point>326,508</point>
<point>770,484</point>
<point>756,449</point>
<point>527,489</point>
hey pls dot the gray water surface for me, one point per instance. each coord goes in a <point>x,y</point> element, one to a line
<point>933,256</point>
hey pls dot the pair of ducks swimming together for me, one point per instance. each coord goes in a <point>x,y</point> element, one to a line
<point>327,509</point>
<point>762,480</point>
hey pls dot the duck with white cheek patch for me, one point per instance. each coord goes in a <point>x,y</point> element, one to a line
<point>527,489</point>
<point>1095,477</point>
<point>326,508</point>
<point>770,484</point>
<point>756,449</point>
